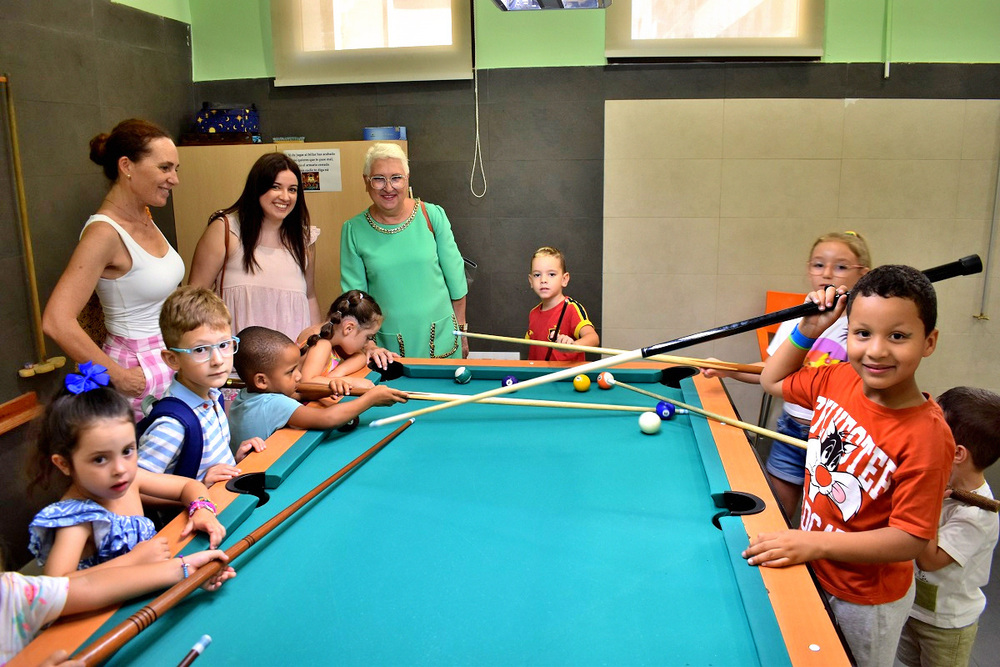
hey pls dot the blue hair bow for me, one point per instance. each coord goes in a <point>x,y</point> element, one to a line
<point>91,376</point>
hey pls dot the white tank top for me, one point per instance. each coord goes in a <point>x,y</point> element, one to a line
<point>132,303</point>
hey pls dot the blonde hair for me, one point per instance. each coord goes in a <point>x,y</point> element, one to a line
<point>187,309</point>
<point>852,240</point>
<point>385,152</point>
<point>549,251</point>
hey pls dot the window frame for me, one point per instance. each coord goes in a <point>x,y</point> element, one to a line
<point>620,45</point>
<point>295,67</point>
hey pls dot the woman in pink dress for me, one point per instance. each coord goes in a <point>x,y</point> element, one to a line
<point>259,253</point>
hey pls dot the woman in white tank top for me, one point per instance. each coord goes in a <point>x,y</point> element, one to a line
<point>126,259</point>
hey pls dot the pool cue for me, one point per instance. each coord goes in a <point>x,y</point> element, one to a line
<point>554,336</point>
<point>43,364</point>
<point>105,646</point>
<point>976,500</point>
<point>195,651</point>
<point>530,402</point>
<point>967,497</point>
<point>753,428</point>
<point>965,266</point>
<point>312,391</point>
<point>685,361</point>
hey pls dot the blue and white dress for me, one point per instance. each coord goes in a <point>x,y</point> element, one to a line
<point>114,534</point>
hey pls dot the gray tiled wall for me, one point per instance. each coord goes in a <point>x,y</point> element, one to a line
<point>77,67</point>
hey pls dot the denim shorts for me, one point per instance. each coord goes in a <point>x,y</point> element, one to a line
<point>788,462</point>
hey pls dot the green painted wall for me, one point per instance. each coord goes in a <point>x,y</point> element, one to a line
<point>231,40</point>
<point>179,10</point>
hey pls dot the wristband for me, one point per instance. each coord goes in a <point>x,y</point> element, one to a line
<point>800,340</point>
<point>200,504</point>
<point>463,327</point>
<point>184,567</point>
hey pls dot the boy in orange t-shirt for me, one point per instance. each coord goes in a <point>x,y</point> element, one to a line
<point>878,459</point>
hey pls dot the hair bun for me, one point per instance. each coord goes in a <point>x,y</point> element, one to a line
<point>98,146</point>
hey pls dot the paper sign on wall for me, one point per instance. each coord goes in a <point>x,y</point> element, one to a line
<point>320,169</point>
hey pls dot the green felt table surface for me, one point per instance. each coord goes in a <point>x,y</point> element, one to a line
<point>489,535</point>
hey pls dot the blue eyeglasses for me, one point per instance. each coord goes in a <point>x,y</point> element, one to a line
<point>202,353</point>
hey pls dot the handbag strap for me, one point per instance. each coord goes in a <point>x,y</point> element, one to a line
<point>426,217</point>
<point>225,259</point>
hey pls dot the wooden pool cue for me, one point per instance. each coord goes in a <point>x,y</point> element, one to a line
<point>967,497</point>
<point>666,358</point>
<point>964,266</point>
<point>753,428</point>
<point>976,500</point>
<point>43,364</point>
<point>531,402</point>
<point>105,646</point>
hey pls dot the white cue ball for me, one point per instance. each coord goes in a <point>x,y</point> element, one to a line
<point>649,423</point>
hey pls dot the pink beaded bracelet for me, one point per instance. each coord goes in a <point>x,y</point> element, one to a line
<point>201,503</point>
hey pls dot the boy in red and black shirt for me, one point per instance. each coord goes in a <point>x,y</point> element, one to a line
<point>558,318</point>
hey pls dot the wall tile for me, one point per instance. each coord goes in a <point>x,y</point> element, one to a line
<point>672,188</point>
<point>570,189</point>
<point>899,188</point>
<point>545,86</point>
<point>675,129</point>
<point>783,128</point>
<point>46,65</point>
<point>904,129</point>
<point>661,245</point>
<point>981,140</point>
<point>126,25</point>
<point>770,247</point>
<point>813,80</point>
<point>977,189</point>
<point>664,81</point>
<point>62,15</point>
<point>562,131</point>
<point>780,188</point>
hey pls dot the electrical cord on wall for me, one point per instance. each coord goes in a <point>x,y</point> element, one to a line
<point>478,155</point>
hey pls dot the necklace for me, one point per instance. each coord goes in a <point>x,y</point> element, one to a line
<point>141,220</point>
<point>391,230</point>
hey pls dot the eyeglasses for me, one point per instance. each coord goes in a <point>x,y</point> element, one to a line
<point>839,270</point>
<point>379,182</point>
<point>203,353</point>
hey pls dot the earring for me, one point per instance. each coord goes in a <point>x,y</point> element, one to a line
<point>128,176</point>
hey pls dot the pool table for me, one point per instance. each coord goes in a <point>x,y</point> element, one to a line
<point>491,534</point>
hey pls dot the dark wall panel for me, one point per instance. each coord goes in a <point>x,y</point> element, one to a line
<point>77,67</point>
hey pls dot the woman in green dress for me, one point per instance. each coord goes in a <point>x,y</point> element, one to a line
<point>402,252</point>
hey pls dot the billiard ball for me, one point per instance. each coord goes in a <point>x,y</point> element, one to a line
<point>581,382</point>
<point>605,380</point>
<point>462,375</point>
<point>649,423</point>
<point>508,380</point>
<point>350,426</point>
<point>665,410</point>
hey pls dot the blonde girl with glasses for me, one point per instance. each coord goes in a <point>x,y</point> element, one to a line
<point>837,258</point>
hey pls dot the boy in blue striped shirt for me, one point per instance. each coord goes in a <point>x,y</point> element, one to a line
<point>197,330</point>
